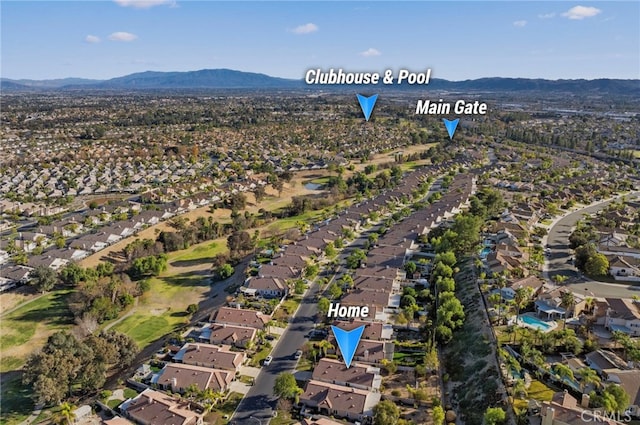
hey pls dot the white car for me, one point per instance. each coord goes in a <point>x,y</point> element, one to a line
<point>267,361</point>
<point>298,354</point>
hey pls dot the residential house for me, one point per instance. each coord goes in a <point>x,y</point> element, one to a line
<point>212,356</point>
<point>601,360</point>
<point>177,377</point>
<point>563,409</point>
<point>240,317</point>
<point>236,336</point>
<point>155,408</point>
<point>375,331</point>
<point>623,267</point>
<point>629,380</point>
<point>361,376</point>
<point>623,315</point>
<point>335,400</point>
<point>267,287</point>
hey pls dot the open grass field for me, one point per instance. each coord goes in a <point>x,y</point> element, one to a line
<point>29,326</point>
<point>203,251</point>
<point>15,402</point>
<point>163,309</point>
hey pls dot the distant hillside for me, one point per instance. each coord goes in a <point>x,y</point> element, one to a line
<point>522,84</point>
<point>61,82</point>
<point>230,79</point>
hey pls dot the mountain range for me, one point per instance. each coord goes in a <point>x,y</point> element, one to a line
<point>230,79</point>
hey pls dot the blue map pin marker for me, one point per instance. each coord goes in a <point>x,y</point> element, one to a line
<point>451,126</point>
<point>367,104</point>
<point>348,342</point>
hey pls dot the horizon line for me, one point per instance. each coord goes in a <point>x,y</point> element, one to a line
<point>302,78</point>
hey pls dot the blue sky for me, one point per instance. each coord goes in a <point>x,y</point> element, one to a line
<point>457,40</point>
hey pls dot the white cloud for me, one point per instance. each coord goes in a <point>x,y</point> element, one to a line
<point>143,4</point>
<point>370,52</point>
<point>305,29</point>
<point>122,36</point>
<point>92,39</point>
<point>519,24</point>
<point>581,12</point>
<point>547,15</point>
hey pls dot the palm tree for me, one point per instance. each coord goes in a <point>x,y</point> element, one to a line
<point>496,300</point>
<point>563,371</point>
<point>519,388</point>
<point>567,300</point>
<point>589,304</point>
<point>324,346</point>
<point>64,415</point>
<point>588,376</point>
<point>520,298</point>
<point>268,325</point>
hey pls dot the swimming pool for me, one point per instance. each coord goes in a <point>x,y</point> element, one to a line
<point>534,322</point>
<point>485,251</point>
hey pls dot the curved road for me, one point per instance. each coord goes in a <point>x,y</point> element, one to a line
<point>559,258</point>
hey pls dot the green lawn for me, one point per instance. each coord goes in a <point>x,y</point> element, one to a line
<point>283,418</point>
<point>287,308</point>
<point>201,251</point>
<point>304,365</point>
<point>256,360</point>
<point>537,391</point>
<point>284,224</point>
<point>217,415</point>
<point>114,402</point>
<point>45,315</point>
<point>144,329</point>
<point>15,403</point>
<point>319,180</point>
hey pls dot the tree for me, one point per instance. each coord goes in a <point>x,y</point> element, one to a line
<point>44,278</point>
<point>521,297</point>
<point>438,415</point>
<point>311,271</point>
<point>335,291</point>
<point>286,386</point>
<point>567,301</point>
<point>613,398</point>
<point>192,309</point>
<point>239,243</point>
<point>386,413</point>
<point>597,265</point>
<point>330,250</point>
<point>494,416</point>
<point>72,274</point>
<point>323,306</point>
<point>225,271</point>
<point>410,267</point>
<point>519,388</point>
<point>64,414</point>
<point>354,259</point>
<point>588,376</point>
<point>563,372</point>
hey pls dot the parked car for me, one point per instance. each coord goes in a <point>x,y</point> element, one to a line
<point>298,354</point>
<point>267,361</point>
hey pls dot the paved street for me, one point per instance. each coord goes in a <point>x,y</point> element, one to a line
<point>559,260</point>
<point>259,403</point>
